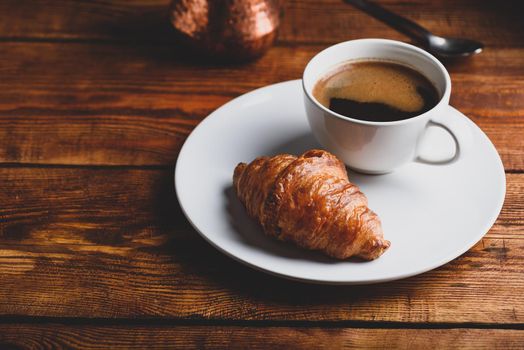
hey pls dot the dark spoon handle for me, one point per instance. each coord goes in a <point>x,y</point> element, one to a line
<point>400,23</point>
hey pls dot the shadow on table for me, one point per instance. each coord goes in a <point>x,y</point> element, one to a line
<point>198,260</point>
<point>223,273</point>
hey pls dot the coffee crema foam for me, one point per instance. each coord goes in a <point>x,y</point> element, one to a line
<point>376,91</point>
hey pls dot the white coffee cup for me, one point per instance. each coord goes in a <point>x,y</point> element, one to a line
<point>378,147</point>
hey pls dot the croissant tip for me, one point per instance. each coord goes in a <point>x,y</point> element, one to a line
<point>379,247</point>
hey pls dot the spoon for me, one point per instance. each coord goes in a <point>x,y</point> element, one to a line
<point>443,47</point>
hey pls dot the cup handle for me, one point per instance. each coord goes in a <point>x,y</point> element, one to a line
<point>446,122</point>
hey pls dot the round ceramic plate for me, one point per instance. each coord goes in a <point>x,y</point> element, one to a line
<point>431,214</point>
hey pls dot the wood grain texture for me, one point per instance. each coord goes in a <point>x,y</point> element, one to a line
<point>135,105</point>
<point>108,249</point>
<point>113,243</point>
<point>57,336</point>
<point>304,21</point>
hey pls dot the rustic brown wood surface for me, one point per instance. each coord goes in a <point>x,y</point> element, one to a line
<point>59,336</point>
<point>96,100</point>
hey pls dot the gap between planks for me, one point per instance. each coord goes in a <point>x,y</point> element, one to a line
<point>9,165</point>
<point>169,43</point>
<point>253,323</point>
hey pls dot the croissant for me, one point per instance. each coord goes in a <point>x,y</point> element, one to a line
<point>309,200</point>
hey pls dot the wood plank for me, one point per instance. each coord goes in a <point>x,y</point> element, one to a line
<point>73,244</point>
<point>120,105</point>
<point>58,336</point>
<point>495,23</point>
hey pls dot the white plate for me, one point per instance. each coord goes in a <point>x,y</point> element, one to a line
<point>431,214</point>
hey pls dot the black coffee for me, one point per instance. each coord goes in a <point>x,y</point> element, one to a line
<point>376,91</point>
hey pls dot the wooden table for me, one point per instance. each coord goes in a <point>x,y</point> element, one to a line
<point>96,101</point>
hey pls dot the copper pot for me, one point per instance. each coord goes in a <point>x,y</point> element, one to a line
<point>227,29</point>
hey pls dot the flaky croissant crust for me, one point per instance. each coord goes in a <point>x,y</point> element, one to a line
<point>309,200</point>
